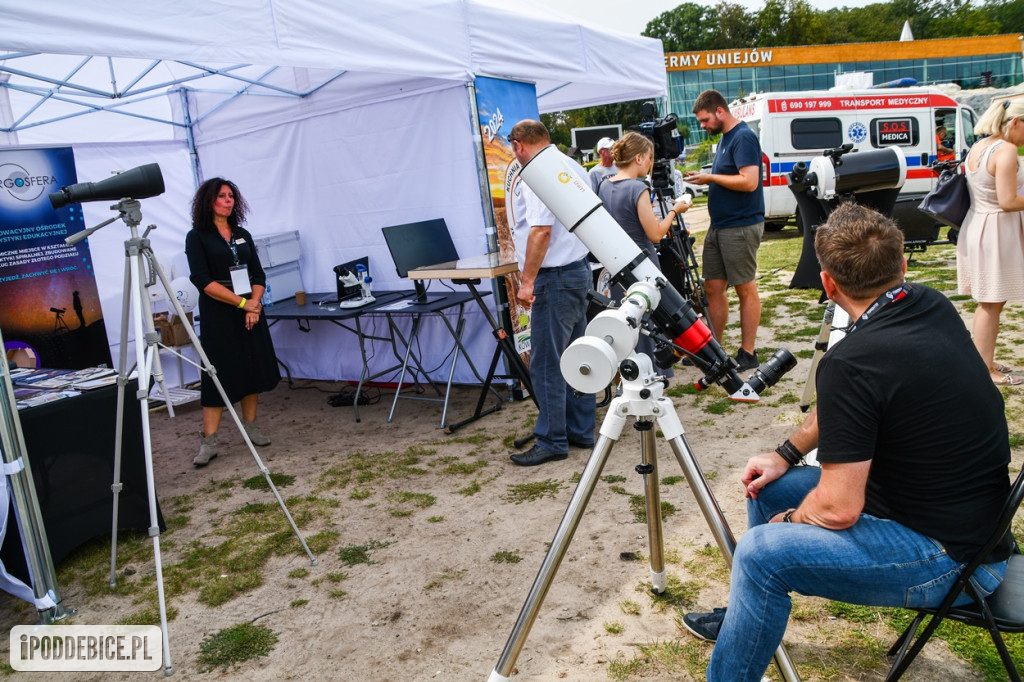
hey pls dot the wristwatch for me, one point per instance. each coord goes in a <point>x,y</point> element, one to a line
<point>788,516</point>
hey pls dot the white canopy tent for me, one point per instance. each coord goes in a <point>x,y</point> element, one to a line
<point>333,119</point>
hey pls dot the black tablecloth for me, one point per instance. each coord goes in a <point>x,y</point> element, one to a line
<point>70,446</point>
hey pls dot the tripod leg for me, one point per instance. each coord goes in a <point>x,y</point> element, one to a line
<point>122,382</point>
<point>610,431</point>
<point>137,292</point>
<point>714,517</point>
<point>649,470</point>
<point>820,346</point>
<point>211,370</point>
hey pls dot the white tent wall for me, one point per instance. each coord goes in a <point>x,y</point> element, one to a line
<point>385,138</point>
<point>397,161</point>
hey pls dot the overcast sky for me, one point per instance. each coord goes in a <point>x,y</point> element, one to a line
<point>632,17</point>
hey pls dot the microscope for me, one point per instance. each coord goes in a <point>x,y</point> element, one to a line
<point>353,286</point>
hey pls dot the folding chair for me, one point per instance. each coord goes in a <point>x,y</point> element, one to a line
<point>1002,611</point>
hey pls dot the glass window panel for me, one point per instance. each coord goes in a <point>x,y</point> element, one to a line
<point>816,133</point>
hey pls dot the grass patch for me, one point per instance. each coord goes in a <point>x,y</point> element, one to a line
<point>666,659</point>
<point>629,607</point>
<point>260,482</point>
<point>406,498</point>
<point>719,406</point>
<point>353,555</point>
<point>505,557</point>
<point>677,594</point>
<point>638,505</point>
<point>463,468</point>
<point>531,492</point>
<point>232,646</point>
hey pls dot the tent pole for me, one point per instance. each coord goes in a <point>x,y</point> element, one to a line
<point>48,600</point>
<point>193,155</point>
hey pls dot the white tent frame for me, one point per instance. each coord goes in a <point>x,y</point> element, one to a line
<point>73,72</point>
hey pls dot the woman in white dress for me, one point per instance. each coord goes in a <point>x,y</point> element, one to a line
<point>990,250</point>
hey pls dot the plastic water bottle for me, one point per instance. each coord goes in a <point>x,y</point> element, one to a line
<point>268,300</point>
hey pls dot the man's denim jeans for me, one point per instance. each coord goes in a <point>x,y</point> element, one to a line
<point>558,317</point>
<point>875,562</point>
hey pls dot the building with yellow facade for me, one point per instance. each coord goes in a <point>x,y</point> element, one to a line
<point>984,61</point>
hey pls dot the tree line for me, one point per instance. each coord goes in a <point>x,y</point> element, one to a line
<point>783,23</point>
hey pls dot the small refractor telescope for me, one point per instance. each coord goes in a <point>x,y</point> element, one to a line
<point>138,183</point>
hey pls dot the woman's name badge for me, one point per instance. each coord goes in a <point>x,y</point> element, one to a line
<point>240,280</point>
<point>240,240</point>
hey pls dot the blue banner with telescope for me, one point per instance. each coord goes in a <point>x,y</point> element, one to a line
<point>50,310</point>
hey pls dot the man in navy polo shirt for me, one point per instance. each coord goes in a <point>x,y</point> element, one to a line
<point>736,209</point>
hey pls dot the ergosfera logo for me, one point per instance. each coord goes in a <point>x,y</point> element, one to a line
<point>23,185</point>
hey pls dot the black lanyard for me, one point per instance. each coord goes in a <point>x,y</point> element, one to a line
<point>231,245</point>
<point>895,294</point>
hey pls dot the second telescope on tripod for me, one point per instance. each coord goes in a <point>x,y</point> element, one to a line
<point>138,183</point>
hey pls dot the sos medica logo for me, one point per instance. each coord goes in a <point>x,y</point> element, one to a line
<point>21,185</point>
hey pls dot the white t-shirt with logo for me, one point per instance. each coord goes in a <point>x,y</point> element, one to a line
<point>527,209</point>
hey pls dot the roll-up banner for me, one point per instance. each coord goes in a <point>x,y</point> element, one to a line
<point>49,306</point>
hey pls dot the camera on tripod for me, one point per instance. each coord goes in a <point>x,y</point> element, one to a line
<point>664,133</point>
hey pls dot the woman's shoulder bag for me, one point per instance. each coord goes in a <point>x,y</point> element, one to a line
<point>949,200</point>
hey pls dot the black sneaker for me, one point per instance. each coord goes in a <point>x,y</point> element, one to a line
<point>705,625</point>
<point>746,360</point>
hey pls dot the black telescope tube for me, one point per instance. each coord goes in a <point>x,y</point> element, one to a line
<point>138,183</point>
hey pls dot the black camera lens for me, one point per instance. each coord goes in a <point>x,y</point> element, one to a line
<point>771,370</point>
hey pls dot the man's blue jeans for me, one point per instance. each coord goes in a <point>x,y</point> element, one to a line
<point>875,562</point>
<point>558,317</point>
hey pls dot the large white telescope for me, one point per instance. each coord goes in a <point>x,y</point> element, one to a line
<point>590,362</point>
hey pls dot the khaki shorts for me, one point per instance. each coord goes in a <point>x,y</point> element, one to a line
<point>731,253</point>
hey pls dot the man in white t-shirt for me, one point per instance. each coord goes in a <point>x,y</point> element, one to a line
<point>556,277</point>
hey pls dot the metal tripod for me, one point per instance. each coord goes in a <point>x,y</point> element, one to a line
<point>642,398</point>
<point>833,329</point>
<point>684,272</point>
<point>137,281</point>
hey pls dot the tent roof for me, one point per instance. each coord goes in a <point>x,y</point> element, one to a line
<point>293,47</point>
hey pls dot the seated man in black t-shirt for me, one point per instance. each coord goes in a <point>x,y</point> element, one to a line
<point>913,446</point>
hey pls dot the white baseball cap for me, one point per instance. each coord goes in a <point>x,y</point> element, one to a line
<point>605,143</point>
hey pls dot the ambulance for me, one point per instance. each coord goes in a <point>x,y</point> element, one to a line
<point>797,126</point>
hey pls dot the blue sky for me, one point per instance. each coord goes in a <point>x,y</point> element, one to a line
<point>632,17</point>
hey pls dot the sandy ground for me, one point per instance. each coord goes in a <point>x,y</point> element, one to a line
<point>435,604</point>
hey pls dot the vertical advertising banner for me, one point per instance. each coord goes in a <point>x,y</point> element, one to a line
<point>502,104</point>
<point>50,311</point>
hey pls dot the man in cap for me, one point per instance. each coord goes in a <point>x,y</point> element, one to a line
<point>606,168</point>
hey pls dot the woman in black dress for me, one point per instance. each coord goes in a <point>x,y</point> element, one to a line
<point>233,330</point>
